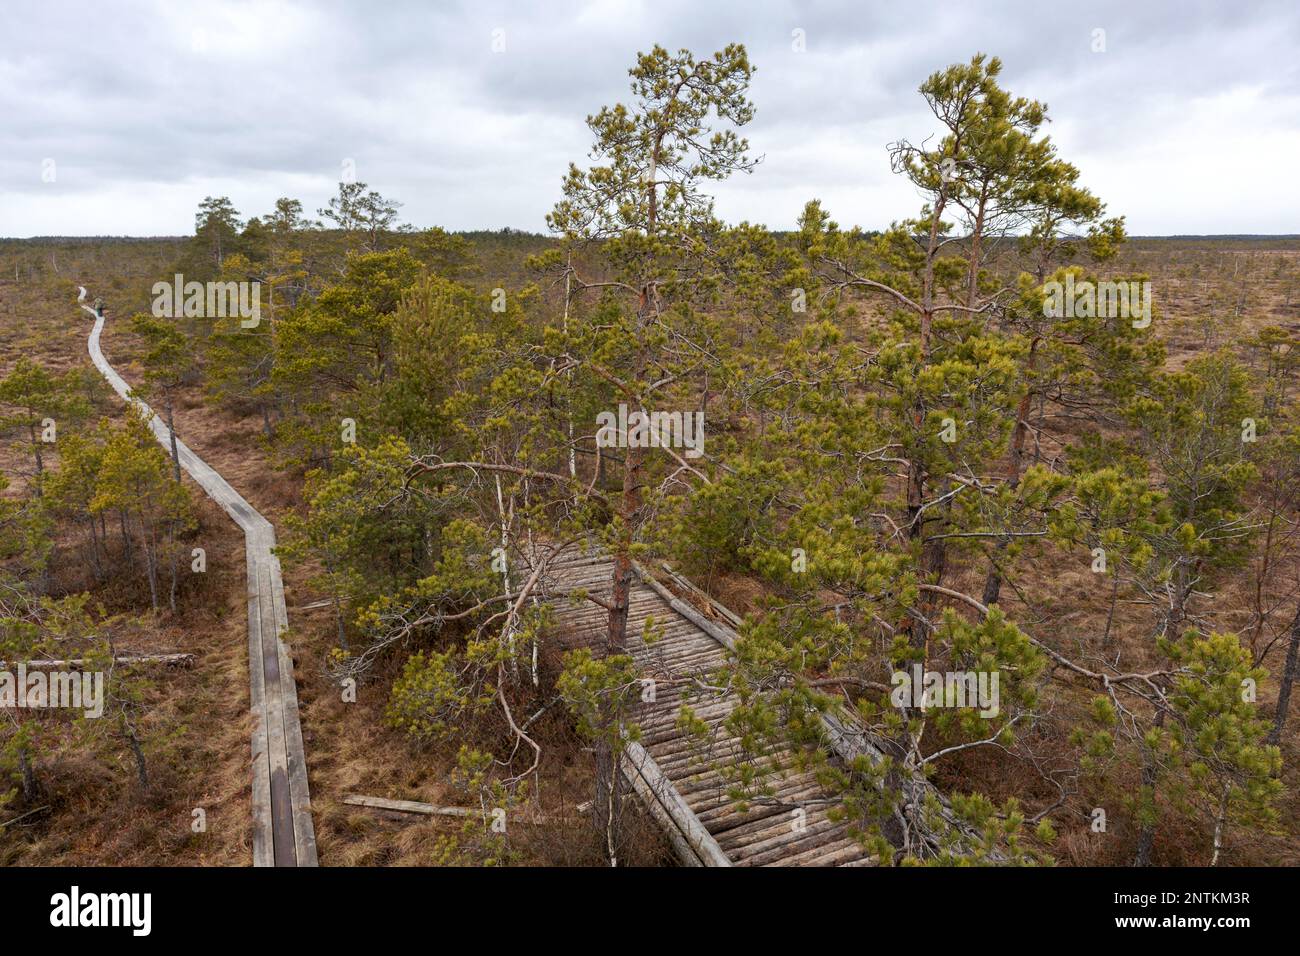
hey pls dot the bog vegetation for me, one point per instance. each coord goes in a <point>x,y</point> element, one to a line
<point>908,466</point>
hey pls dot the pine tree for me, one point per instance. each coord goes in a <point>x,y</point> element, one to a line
<point>364,216</point>
<point>168,360</point>
<point>644,203</point>
<point>216,228</point>
<point>31,400</point>
<point>134,482</point>
<point>1220,734</point>
<point>331,353</point>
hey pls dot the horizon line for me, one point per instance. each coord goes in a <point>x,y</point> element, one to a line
<point>543,235</point>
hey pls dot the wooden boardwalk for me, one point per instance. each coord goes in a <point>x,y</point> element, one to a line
<point>683,781</point>
<point>283,833</point>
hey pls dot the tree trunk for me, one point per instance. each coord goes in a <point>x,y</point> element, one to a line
<point>977,232</point>
<point>94,549</point>
<point>141,772</point>
<point>622,580</point>
<point>171,538</point>
<point>338,608</point>
<point>630,505</point>
<point>568,395</point>
<point>916,471</point>
<point>1289,671</point>
<point>1107,639</point>
<point>1183,575</point>
<point>30,788</point>
<point>150,562</point>
<point>993,581</point>
<point>171,428</point>
<point>1220,823</point>
<point>917,635</point>
<point>126,539</point>
<point>36,451</point>
<point>1150,773</point>
<point>607,807</point>
<point>338,620</point>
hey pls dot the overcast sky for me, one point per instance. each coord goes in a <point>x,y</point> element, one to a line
<point>119,117</point>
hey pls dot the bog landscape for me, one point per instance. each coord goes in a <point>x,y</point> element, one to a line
<point>650,538</point>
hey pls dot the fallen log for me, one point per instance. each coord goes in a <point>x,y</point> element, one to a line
<point>313,605</point>
<point>76,663</point>
<point>720,633</point>
<point>408,806</point>
<point>427,809</point>
<point>685,584</point>
<point>693,843</point>
<point>22,816</point>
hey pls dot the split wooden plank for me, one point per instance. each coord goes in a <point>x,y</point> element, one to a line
<point>657,789</point>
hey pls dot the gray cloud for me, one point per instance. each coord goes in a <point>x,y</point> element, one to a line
<point>1188,122</point>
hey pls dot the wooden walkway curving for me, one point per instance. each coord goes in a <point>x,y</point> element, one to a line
<point>283,833</point>
<point>683,783</point>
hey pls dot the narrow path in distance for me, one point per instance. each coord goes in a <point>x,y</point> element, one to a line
<point>283,833</point>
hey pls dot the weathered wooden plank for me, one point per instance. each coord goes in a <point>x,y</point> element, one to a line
<point>833,855</point>
<point>304,831</point>
<point>263,828</point>
<point>433,810</point>
<point>724,635</point>
<point>282,828</point>
<point>659,789</point>
<point>732,618</point>
<point>788,840</point>
<point>740,838</point>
